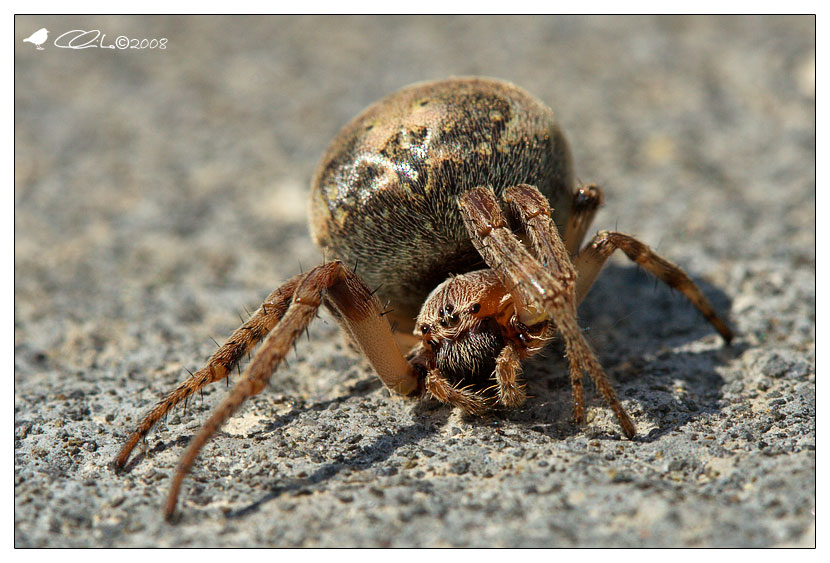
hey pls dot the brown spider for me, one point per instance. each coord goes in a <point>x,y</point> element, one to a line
<point>411,189</point>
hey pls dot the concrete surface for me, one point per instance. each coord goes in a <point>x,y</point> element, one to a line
<point>158,193</point>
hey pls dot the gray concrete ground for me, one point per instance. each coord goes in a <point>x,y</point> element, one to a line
<point>159,192</point>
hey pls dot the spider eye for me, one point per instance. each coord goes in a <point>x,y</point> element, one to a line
<point>475,308</point>
<point>454,318</point>
<point>424,329</point>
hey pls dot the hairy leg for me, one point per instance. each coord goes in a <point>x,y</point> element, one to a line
<point>593,257</point>
<point>435,384</point>
<point>220,364</point>
<point>273,351</point>
<point>508,370</point>
<point>533,209</point>
<point>587,200</point>
<point>357,311</point>
<point>444,391</point>
<point>545,293</point>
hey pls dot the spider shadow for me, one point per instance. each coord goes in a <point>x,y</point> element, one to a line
<point>185,439</point>
<point>362,458</point>
<point>632,323</point>
<point>359,389</point>
<point>630,309</point>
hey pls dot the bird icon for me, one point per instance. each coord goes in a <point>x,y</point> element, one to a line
<point>38,38</point>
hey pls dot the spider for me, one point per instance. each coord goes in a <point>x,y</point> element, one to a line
<point>458,200</point>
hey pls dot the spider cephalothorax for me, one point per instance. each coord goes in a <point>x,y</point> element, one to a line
<point>460,327</point>
<point>458,199</point>
<point>470,330</point>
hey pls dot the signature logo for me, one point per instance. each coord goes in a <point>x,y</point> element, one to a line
<point>38,38</point>
<point>93,39</point>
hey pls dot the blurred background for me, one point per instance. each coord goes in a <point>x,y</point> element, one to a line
<point>160,191</point>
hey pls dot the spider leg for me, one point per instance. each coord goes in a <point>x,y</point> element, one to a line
<point>359,313</point>
<point>444,391</point>
<point>508,369</point>
<point>534,212</point>
<point>593,257</point>
<point>586,202</point>
<point>220,364</point>
<point>439,387</point>
<point>544,292</point>
<point>533,209</point>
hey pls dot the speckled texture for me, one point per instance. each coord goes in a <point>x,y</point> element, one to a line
<point>159,193</point>
<point>385,192</point>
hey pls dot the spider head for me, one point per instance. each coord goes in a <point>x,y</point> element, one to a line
<point>459,324</point>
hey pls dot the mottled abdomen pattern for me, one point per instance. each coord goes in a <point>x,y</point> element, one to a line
<point>384,194</point>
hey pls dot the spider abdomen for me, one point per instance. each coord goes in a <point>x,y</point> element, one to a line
<point>384,194</point>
